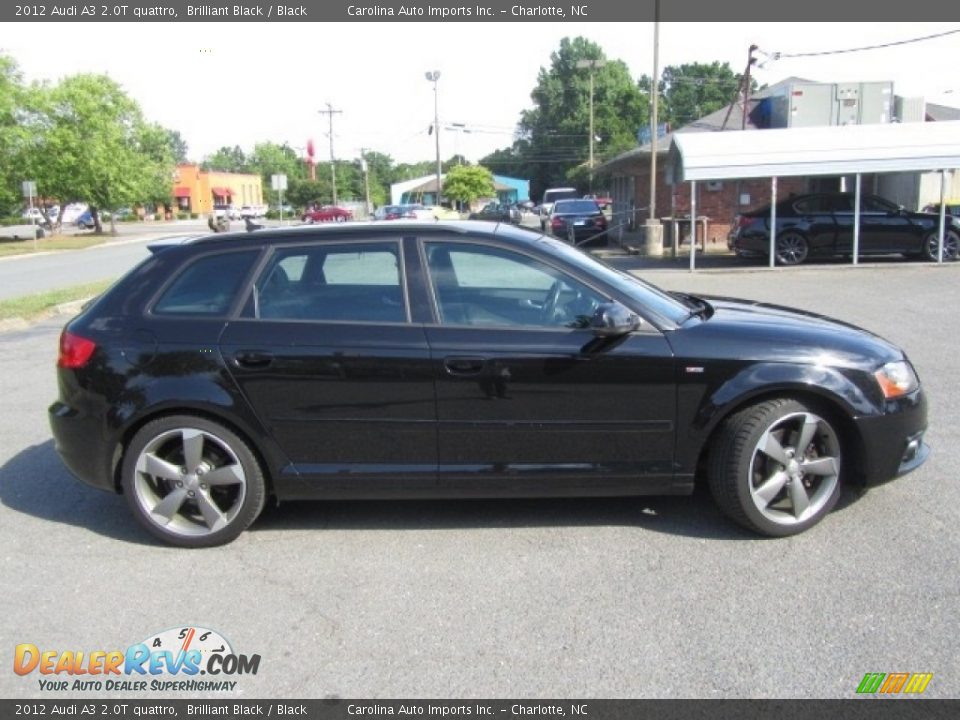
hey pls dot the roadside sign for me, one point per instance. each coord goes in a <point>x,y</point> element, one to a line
<point>278,182</point>
<point>29,188</point>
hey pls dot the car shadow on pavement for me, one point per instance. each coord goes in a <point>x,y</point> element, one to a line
<point>35,482</point>
<point>693,516</point>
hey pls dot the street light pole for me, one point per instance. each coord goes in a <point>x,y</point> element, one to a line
<point>434,77</point>
<point>330,112</point>
<point>593,65</point>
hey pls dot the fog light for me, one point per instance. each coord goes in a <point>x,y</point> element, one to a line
<point>911,452</point>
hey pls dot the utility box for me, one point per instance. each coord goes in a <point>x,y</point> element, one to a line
<point>823,104</point>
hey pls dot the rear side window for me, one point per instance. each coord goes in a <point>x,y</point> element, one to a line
<point>355,282</point>
<point>208,286</point>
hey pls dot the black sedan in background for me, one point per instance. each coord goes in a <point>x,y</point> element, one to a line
<point>460,360</point>
<point>579,221</point>
<point>822,226</point>
<point>497,212</point>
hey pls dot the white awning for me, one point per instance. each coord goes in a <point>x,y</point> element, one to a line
<point>843,150</point>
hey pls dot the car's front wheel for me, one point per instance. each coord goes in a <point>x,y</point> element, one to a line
<point>192,482</point>
<point>775,467</point>
<point>951,246</point>
<point>791,248</point>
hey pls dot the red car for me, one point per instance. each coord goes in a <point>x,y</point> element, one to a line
<point>327,213</point>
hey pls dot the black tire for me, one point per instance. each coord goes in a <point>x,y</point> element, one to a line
<point>951,246</point>
<point>791,248</point>
<point>158,481</point>
<point>766,495</point>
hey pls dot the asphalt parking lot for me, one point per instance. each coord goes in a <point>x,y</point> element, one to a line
<point>647,597</point>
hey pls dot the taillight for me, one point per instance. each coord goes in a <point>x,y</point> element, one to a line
<point>743,221</point>
<point>556,223</point>
<point>75,351</point>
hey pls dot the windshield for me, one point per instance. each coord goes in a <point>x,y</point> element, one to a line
<point>551,196</point>
<point>646,295</point>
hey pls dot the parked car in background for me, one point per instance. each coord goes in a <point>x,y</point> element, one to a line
<point>85,220</point>
<point>461,359</point>
<point>253,211</point>
<point>581,221</point>
<point>70,213</point>
<point>228,211</point>
<point>327,213</point>
<point>393,212</point>
<point>549,198</point>
<point>952,208</point>
<point>33,214</point>
<point>498,212</point>
<point>821,225</point>
<point>602,200</point>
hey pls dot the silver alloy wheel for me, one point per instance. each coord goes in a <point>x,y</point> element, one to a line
<point>795,468</point>
<point>791,249</point>
<point>951,246</point>
<point>189,482</point>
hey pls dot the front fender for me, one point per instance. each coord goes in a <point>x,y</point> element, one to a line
<point>837,388</point>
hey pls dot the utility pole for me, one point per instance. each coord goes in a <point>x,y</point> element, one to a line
<point>330,112</point>
<point>593,65</point>
<point>366,177</point>
<point>654,120</point>
<point>743,91</point>
<point>434,77</point>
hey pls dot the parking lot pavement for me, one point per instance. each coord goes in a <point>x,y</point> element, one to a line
<point>648,597</point>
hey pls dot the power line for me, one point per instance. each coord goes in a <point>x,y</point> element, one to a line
<point>779,55</point>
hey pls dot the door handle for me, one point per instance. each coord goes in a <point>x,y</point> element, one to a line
<point>464,365</point>
<point>253,358</point>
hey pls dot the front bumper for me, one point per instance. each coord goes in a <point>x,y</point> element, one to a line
<point>893,443</point>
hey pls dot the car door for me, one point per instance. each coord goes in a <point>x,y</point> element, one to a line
<point>885,228</point>
<point>528,399</point>
<point>326,355</point>
<point>813,215</point>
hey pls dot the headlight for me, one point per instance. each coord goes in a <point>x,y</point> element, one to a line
<point>896,379</point>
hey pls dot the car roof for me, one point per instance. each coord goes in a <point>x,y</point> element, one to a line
<point>346,231</point>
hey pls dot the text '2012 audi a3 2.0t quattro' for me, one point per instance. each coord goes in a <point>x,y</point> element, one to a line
<point>415,360</point>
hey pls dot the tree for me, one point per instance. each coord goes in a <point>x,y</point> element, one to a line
<point>693,90</point>
<point>227,159</point>
<point>94,145</point>
<point>269,158</point>
<point>178,146</point>
<point>556,129</point>
<point>466,183</point>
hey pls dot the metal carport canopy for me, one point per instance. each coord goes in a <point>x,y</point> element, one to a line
<point>842,150</point>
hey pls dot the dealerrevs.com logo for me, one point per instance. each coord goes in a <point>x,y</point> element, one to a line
<point>172,660</point>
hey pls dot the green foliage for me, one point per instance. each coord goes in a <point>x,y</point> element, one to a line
<point>466,183</point>
<point>693,90</point>
<point>554,135</point>
<point>227,159</point>
<point>92,144</point>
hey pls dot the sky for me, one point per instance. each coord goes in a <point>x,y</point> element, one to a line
<point>242,83</point>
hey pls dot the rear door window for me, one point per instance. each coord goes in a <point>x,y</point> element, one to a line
<point>358,282</point>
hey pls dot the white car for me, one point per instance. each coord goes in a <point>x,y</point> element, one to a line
<point>229,210</point>
<point>21,232</point>
<point>72,212</point>
<point>33,214</point>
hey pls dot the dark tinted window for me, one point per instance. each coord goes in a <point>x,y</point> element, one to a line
<point>576,206</point>
<point>811,205</point>
<point>490,287</point>
<point>207,286</point>
<point>357,282</point>
<point>874,204</point>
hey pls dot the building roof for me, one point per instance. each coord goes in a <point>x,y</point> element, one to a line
<point>808,151</point>
<point>714,122</point>
<point>942,113</point>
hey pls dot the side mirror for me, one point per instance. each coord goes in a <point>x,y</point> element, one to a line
<point>613,319</point>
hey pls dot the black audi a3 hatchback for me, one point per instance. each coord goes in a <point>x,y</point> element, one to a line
<point>465,359</point>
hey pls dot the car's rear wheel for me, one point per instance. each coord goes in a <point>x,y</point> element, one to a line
<point>775,467</point>
<point>192,482</point>
<point>792,248</point>
<point>951,245</point>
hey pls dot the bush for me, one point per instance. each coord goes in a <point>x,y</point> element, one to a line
<point>194,216</point>
<point>183,215</point>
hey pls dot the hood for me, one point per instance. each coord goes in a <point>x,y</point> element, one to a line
<point>745,329</point>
